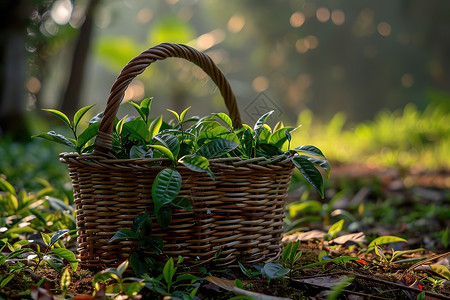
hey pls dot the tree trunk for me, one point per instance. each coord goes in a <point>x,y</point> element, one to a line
<point>13,69</point>
<point>71,100</point>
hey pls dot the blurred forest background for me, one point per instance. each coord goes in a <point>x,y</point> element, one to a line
<point>344,61</point>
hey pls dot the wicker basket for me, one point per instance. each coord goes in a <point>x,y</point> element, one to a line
<point>239,214</point>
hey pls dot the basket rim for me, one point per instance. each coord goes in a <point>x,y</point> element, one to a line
<point>282,159</point>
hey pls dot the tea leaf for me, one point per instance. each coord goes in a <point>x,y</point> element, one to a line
<point>275,270</point>
<point>259,125</point>
<point>79,114</point>
<point>139,221</point>
<point>336,228</point>
<point>183,203</point>
<point>311,174</point>
<point>55,262</point>
<point>60,115</point>
<point>87,135</point>
<point>46,238</point>
<point>175,114</point>
<point>58,138</point>
<point>197,163</point>
<point>138,108</point>
<point>65,281</point>
<point>67,255</point>
<point>183,114</point>
<point>7,187</point>
<point>388,239</point>
<point>164,151</point>
<point>124,233</point>
<point>169,141</point>
<point>164,216</point>
<point>322,163</point>
<point>155,126</point>
<point>169,271</point>
<point>217,148</point>
<point>165,188</point>
<point>145,106</point>
<point>58,235</point>
<point>309,150</point>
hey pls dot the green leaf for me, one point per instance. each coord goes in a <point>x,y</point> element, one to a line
<point>137,129</point>
<point>105,275</point>
<point>165,188</point>
<point>197,163</point>
<point>58,236</point>
<point>319,162</point>
<point>164,216</point>
<point>79,114</point>
<point>169,271</point>
<point>182,203</point>
<point>164,151</point>
<point>5,281</point>
<point>379,252</point>
<point>139,267</point>
<point>274,270</point>
<point>139,221</point>
<point>60,115</point>
<point>286,251</point>
<point>221,116</point>
<point>336,228</point>
<point>311,174</point>
<point>134,288</point>
<point>55,262</point>
<point>124,233</point>
<point>259,125</point>
<point>269,149</point>
<point>295,253</point>
<point>57,138</point>
<point>138,108</point>
<point>64,282</point>
<point>96,119</point>
<point>145,107</point>
<point>155,126</point>
<point>89,133</point>
<point>310,150</point>
<point>215,133</point>
<point>46,238</point>
<point>122,268</point>
<point>175,114</point>
<point>396,254</point>
<point>216,148</point>
<point>278,138</point>
<point>183,114</point>
<point>7,187</point>
<point>139,152</point>
<point>388,239</point>
<point>169,141</point>
<point>67,255</point>
<point>119,125</point>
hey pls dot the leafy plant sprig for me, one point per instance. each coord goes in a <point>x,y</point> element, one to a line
<point>193,146</point>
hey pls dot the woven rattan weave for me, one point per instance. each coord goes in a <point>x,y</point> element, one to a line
<point>239,215</point>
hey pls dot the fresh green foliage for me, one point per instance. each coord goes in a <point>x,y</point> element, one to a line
<point>54,254</point>
<point>396,139</point>
<point>193,146</point>
<point>182,286</point>
<point>141,232</point>
<point>394,255</point>
<point>291,254</point>
<point>129,286</point>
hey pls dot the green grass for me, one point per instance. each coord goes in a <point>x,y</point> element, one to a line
<point>402,139</point>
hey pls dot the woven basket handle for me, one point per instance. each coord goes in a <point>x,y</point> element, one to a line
<point>103,142</point>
